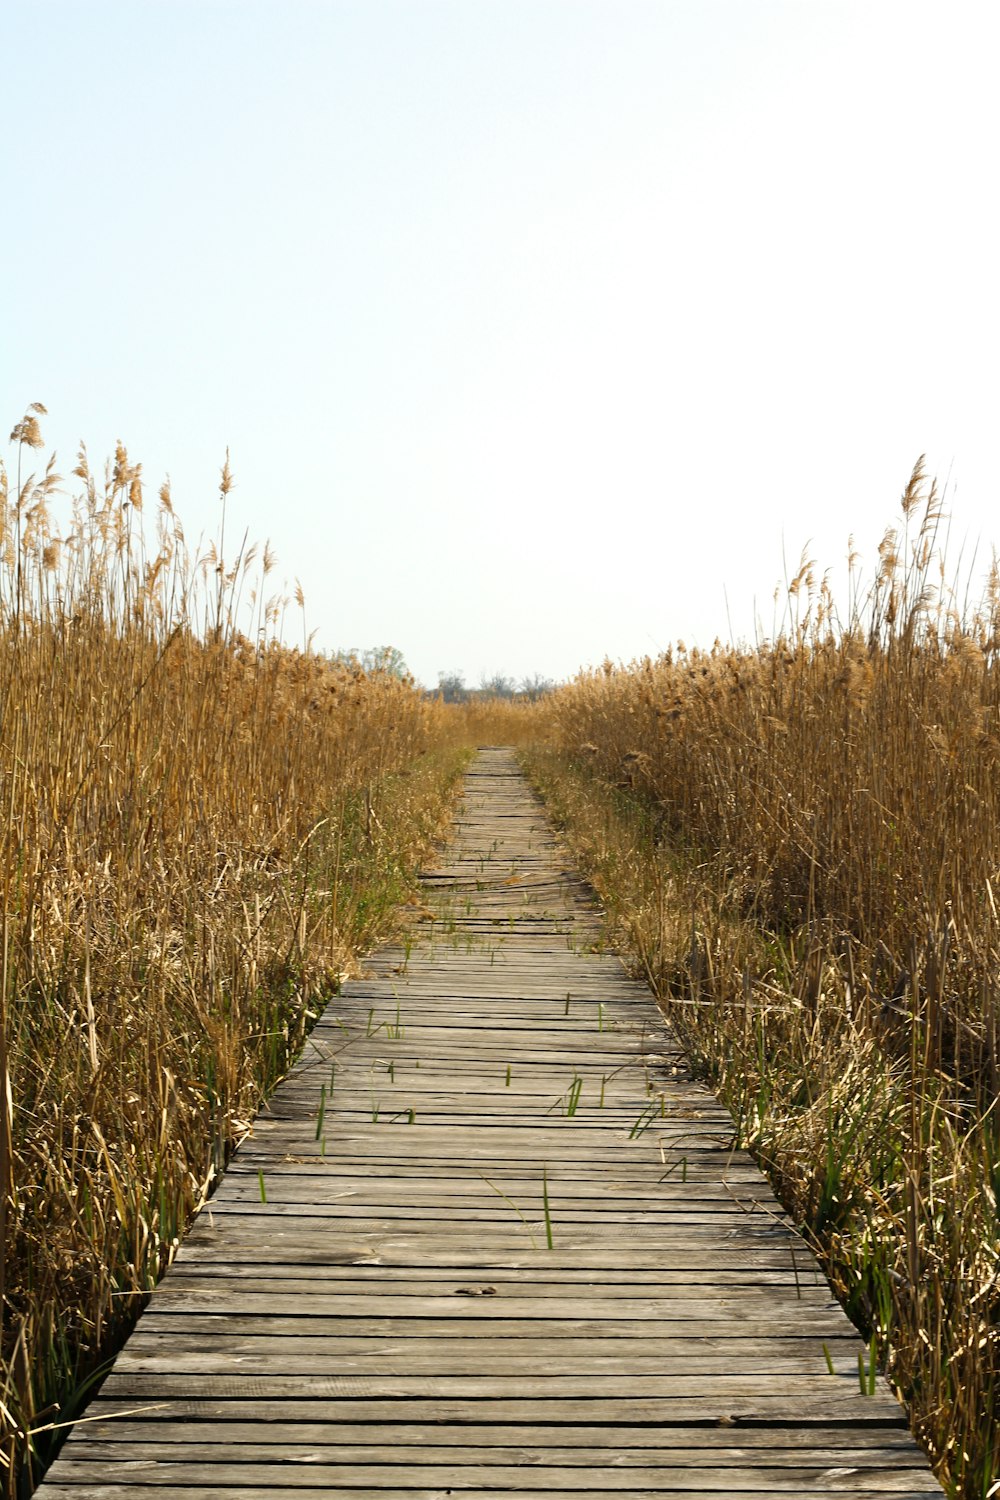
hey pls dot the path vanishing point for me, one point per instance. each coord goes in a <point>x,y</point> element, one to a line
<point>488,1238</point>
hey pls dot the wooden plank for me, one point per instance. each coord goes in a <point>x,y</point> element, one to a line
<point>845,1486</point>
<point>487,1230</point>
<point>694,1446</point>
<point>747,1398</point>
<point>389,1450</point>
<point>272,1278</point>
<point>489,1478</point>
<point>119,1395</point>
<point>751,1305</point>
<point>414,1368</point>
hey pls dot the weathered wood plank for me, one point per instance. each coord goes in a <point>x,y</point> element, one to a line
<point>327,1452</point>
<point>545,1479</point>
<point>694,1446</point>
<point>756,1306</point>
<point>126,1487</point>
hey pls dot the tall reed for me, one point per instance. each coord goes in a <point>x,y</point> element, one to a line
<point>802,839</point>
<point>199,828</point>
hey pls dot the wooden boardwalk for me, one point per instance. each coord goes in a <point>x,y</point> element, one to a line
<point>506,1249</point>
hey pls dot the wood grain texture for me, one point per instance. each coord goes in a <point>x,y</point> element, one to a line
<point>490,1238</point>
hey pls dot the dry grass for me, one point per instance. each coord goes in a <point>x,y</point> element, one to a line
<point>200,828</point>
<point>492,721</point>
<point>802,842</point>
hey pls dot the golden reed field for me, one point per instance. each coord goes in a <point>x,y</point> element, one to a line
<point>800,842</point>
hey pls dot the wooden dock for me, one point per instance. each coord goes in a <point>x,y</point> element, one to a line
<point>489,1239</point>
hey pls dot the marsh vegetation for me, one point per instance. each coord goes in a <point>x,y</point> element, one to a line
<point>799,842</point>
<point>200,830</point>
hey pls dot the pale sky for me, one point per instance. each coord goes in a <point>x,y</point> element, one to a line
<point>535,328</point>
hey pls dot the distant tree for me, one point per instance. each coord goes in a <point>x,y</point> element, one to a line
<point>535,687</point>
<point>451,686</point>
<point>385,659</point>
<point>498,686</point>
<point>375,659</point>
